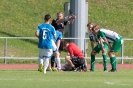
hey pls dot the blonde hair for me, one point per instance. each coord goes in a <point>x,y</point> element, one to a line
<point>60,13</point>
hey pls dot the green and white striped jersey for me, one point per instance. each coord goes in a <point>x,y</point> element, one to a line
<point>110,35</point>
<point>93,37</point>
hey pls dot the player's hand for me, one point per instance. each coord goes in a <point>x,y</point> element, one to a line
<point>54,36</point>
<point>73,16</point>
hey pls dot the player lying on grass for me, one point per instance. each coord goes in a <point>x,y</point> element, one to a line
<point>97,48</point>
<point>75,59</point>
<point>113,40</point>
<point>67,67</point>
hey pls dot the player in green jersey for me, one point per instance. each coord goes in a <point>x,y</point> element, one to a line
<point>113,40</point>
<point>97,48</point>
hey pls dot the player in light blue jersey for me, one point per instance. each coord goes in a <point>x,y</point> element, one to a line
<point>45,33</point>
<point>57,41</point>
<point>58,36</point>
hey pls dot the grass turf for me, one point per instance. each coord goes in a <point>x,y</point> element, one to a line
<point>34,79</point>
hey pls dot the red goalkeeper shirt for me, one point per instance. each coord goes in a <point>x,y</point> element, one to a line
<point>74,50</point>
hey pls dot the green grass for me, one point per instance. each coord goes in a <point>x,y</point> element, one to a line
<point>35,79</point>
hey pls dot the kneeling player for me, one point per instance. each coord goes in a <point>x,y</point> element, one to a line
<point>75,58</point>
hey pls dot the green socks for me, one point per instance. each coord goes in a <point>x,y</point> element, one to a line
<point>92,62</point>
<point>113,62</point>
<point>104,61</point>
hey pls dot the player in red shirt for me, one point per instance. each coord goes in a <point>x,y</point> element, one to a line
<point>75,58</point>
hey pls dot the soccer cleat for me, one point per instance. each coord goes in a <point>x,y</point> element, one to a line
<point>91,70</point>
<point>113,70</point>
<point>105,70</point>
<point>88,70</point>
<point>73,69</point>
<point>60,70</point>
<point>40,67</point>
<point>54,69</point>
<point>84,68</point>
<point>49,69</point>
<point>44,71</point>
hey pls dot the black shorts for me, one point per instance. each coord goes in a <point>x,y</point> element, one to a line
<point>77,61</point>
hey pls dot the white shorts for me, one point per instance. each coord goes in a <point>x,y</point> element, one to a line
<point>54,47</point>
<point>45,53</point>
<point>63,67</point>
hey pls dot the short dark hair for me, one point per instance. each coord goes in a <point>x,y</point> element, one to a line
<point>47,17</point>
<point>65,42</point>
<point>90,24</point>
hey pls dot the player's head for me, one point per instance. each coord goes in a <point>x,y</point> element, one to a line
<point>65,44</point>
<point>47,18</point>
<point>95,29</point>
<point>90,26</point>
<point>60,15</point>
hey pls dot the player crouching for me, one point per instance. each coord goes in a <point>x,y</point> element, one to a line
<point>75,60</point>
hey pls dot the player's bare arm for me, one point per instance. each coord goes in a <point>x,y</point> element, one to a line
<point>106,41</point>
<point>54,36</point>
<point>58,43</point>
<point>37,34</point>
<point>92,45</point>
<point>69,18</point>
<point>102,46</point>
<point>72,17</point>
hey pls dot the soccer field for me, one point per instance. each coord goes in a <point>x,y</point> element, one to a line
<point>34,79</point>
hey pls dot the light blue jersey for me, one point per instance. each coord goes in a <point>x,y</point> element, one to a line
<point>46,33</point>
<point>58,36</point>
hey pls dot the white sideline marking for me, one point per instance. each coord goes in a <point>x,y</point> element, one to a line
<point>111,83</point>
<point>125,84</point>
<point>15,79</point>
<point>8,79</point>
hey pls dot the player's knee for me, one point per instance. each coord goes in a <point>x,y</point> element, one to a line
<point>56,54</point>
<point>111,54</point>
<point>104,52</point>
<point>67,58</point>
<point>92,53</point>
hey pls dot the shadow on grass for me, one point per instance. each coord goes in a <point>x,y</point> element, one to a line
<point>26,40</point>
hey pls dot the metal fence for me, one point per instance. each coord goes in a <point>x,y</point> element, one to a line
<point>26,48</point>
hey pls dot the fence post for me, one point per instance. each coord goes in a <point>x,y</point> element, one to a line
<point>5,49</point>
<point>122,53</point>
<point>84,48</point>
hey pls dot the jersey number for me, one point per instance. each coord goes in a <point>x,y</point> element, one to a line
<point>44,34</point>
